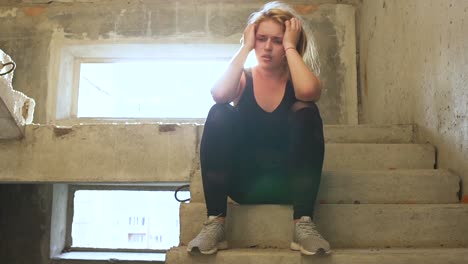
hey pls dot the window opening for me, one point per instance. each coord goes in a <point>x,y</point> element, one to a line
<point>125,219</point>
<point>163,88</point>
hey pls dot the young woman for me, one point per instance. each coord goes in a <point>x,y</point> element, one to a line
<point>268,147</point>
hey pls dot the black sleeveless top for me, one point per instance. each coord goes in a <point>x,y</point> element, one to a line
<point>265,134</point>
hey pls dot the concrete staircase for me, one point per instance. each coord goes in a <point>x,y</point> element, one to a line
<point>381,201</point>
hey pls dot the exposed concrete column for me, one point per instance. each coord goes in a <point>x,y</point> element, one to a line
<point>16,109</point>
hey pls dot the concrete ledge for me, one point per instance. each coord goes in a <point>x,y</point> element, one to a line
<point>100,153</point>
<point>375,187</point>
<point>344,226</point>
<point>339,256</point>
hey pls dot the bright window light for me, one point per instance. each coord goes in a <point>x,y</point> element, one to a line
<point>123,219</point>
<point>163,88</point>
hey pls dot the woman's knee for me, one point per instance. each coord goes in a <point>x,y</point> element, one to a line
<point>220,113</point>
<point>309,107</point>
<point>299,105</point>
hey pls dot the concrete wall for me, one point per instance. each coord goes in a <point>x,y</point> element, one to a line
<point>25,212</point>
<point>413,69</point>
<point>35,29</point>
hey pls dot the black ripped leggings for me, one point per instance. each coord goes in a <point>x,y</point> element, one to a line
<point>229,161</point>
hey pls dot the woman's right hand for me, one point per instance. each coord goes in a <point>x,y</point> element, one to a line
<point>249,37</point>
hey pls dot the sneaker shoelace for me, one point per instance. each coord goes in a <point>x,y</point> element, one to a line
<point>307,229</point>
<point>209,227</point>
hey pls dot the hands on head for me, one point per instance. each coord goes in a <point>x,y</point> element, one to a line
<point>248,40</point>
<point>292,32</point>
<point>293,29</point>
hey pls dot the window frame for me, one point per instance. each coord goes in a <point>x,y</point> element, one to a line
<point>72,188</point>
<point>64,78</point>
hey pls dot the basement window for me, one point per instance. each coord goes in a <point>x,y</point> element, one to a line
<point>121,222</point>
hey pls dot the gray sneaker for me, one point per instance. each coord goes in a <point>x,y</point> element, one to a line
<point>210,239</point>
<point>307,239</point>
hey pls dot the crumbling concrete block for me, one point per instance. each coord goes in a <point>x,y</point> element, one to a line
<point>16,109</point>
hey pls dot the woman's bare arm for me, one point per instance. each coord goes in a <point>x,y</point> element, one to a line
<point>227,88</point>
<point>307,85</point>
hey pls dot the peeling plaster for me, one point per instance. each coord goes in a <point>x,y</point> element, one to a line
<point>62,131</point>
<point>168,127</point>
<point>8,13</point>
<point>305,9</point>
<point>33,11</point>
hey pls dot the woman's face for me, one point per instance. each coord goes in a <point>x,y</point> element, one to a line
<point>269,48</point>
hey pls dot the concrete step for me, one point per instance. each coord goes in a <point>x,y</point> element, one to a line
<point>378,156</point>
<point>344,226</point>
<point>364,133</point>
<point>375,187</point>
<point>390,187</point>
<point>357,156</point>
<point>339,256</point>
<point>369,133</point>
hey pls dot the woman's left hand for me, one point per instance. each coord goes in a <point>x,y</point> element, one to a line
<point>291,33</point>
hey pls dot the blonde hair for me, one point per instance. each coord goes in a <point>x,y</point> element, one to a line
<point>280,13</point>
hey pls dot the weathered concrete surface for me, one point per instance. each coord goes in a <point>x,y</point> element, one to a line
<point>363,133</point>
<point>375,187</point>
<point>389,187</point>
<point>25,223</point>
<point>339,256</point>
<point>334,28</point>
<point>100,153</point>
<point>37,30</point>
<point>344,226</point>
<point>153,152</point>
<point>58,218</point>
<point>413,70</point>
<point>369,134</point>
<point>378,156</point>
<point>9,128</point>
<point>16,109</point>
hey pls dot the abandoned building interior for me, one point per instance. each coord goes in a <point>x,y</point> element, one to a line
<point>395,107</point>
